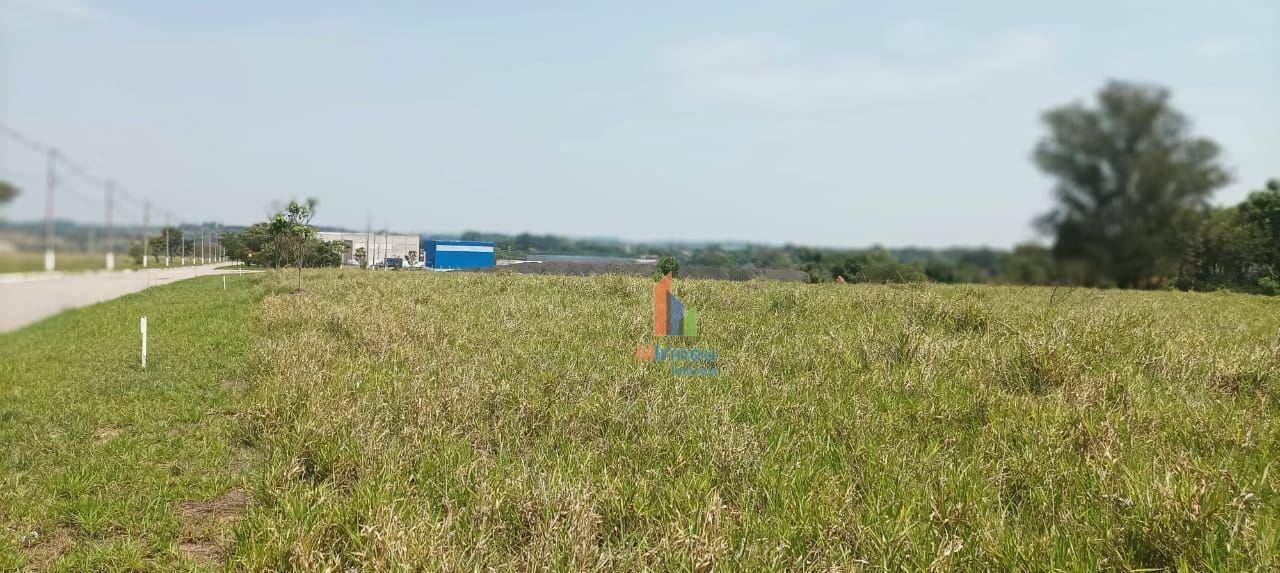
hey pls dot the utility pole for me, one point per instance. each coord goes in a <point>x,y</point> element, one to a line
<point>368,229</point>
<point>111,248</point>
<point>50,181</point>
<point>146,232</point>
<point>166,240</point>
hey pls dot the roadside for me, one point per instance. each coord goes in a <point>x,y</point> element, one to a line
<point>107,466</point>
<point>28,297</point>
<point>67,261</point>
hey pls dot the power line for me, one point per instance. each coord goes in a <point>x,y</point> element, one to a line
<point>24,140</point>
<point>20,174</point>
<point>72,191</point>
<point>81,172</point>
<point>72,167</point>
<point>115,198</point>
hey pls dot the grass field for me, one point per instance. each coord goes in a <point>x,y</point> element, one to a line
<point>452,421</point>
<point>25,261</point>
<point>105,466</point>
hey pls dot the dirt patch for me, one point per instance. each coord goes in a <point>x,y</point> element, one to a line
<point>107,434</point>
<point>226,507</point>
<point>44,548</point>
<point>204,552</point>
<point>205,532</point>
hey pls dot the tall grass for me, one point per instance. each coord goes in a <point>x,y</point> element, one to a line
<point>458,421</point>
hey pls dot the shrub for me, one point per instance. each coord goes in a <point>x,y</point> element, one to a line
<point>1269,286</point>
<point>668,264</point>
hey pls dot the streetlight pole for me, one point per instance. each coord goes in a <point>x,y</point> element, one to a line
<point>50,182</point>
<point>111,248</point>
<point>146,232</point>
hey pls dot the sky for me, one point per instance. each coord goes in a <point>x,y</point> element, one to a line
<point>836,124</point>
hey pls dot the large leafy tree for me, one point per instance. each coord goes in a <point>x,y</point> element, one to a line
<point>1133,184</point>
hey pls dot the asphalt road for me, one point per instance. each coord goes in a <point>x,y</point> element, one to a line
<point>28,297</point>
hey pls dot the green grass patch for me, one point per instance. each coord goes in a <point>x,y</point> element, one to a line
<point>25,261</point>
<point>453,421</point>
<point>106,466</point>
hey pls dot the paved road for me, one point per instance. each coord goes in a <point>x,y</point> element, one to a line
<point>26,298</point>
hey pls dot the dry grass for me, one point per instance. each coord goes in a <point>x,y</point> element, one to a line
<point>461,422</point>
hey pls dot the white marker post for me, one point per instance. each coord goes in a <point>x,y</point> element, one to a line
<point>224,282</point>
<point>144,342</point>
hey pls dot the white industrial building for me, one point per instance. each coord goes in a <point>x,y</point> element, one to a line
<point>381,246</point>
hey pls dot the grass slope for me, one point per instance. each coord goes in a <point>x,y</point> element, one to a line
<point>458,422</point>
<point>104,465</point>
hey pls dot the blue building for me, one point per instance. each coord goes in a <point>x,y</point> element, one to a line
<point>458,254</point>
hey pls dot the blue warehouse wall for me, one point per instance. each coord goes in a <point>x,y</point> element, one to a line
<point>459,254</point>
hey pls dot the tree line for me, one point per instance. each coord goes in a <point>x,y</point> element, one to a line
<point>1132,200</point>
<point>1131,210</point>
<point>284,239</point>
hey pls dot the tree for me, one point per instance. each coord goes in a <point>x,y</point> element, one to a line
<point>255,246</point>
<point>234,246</point>
<point>1132,184</point>
<point>1028,264</point>
<point>668,264</point>
<point>178,243</point>
<point>290,231</point>
<point>1237,247</point>
<point>881,267</point>
<point>252,246</point>
<point>1261,210</point>
<point>8,192</point>
<point>711,256</point>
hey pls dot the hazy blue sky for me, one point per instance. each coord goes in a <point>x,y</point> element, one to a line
<point>828,123</point>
